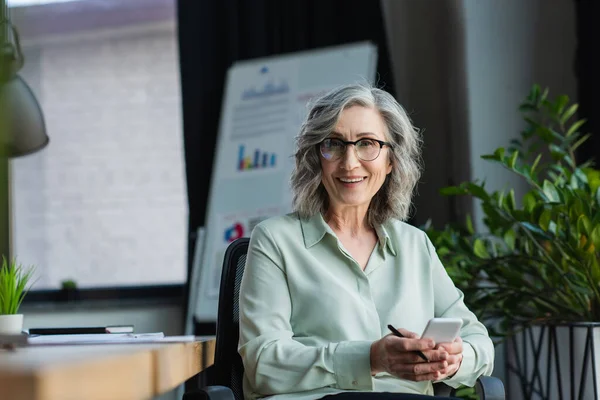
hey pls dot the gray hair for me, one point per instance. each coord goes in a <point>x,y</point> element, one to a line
<point>393,200</point>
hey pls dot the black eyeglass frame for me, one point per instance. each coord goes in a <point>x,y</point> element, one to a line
<point>347,142</point>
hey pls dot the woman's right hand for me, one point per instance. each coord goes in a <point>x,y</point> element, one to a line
<point>398,356</point>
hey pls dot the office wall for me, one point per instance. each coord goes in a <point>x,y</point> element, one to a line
<point>511,45</point>
<point>461,69</point>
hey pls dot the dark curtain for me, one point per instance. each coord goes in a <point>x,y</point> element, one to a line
<point>214,34</point>
<point>587,72</point>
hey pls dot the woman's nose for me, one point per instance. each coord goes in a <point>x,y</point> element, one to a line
<point>349,158</point>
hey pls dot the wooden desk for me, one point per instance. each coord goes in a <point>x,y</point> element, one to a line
<point>102,371</point>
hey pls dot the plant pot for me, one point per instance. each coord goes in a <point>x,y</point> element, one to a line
<point>11,324</point>
<point>547,362</point>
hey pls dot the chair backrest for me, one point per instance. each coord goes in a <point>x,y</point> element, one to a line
<point>229,369</point>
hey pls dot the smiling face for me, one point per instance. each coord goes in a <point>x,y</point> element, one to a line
<point>349,181</point>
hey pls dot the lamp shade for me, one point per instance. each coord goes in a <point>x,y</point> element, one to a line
<point>22,127</point>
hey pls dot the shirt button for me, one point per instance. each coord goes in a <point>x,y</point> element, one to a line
<point>354,383</point>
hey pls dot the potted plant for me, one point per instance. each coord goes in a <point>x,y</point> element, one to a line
<point>68,290</point>
<point>14,281</point>
<point>534,275</point>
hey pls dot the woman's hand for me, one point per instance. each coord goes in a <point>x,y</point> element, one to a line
<point>454,358</point>
<point>398,356</point>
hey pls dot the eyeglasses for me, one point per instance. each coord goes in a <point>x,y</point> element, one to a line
<point>366,149</point>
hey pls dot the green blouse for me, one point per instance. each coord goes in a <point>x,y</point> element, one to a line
<point>309,313</point>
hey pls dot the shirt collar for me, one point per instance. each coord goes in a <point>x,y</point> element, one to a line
<point>314,229</point>
<point>384,239</point>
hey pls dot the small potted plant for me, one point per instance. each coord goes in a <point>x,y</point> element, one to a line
<point>68,290</point>
<point>15,282</point>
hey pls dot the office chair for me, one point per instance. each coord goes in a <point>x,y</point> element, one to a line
<point>228,370</point>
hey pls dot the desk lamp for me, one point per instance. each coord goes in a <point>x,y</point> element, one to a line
<point>22,128</point>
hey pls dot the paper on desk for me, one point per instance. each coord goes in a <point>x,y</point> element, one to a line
<point>179,339</point>
<point>97,338</point>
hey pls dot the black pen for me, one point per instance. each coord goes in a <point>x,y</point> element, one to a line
<point>396,333</point>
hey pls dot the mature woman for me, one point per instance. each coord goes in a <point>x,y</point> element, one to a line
<point>322,284</point>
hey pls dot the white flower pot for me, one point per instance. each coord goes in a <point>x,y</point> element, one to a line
<point>11,324</point>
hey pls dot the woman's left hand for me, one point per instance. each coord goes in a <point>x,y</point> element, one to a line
<point>455,356</point>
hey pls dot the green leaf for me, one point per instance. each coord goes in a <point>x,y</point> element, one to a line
<point>575,209</point>
<point>527,133</point>
<point>584,226</point>
<point>479,249</point>
<point>568,113</point>
<point>545,219</point>
<point>557,152</point>
<point>513,159</point>
<point>466,393</point>
<point>527,107</point>
<point>595,236</point>
<point>561,102</point>
<point>593,178</point>
<point>574,128</point>
<point>489,157</point>
<point>545,133</point>
<point>469,225</point>
<point>543,96</point>
<point>529,201</point>
<point>534,94</point>
<point>535,163</point>
<point>453,191</point>
<point>499,153</point>
<point>598,196</point>
<point>509,201</point>
<point>442,251</point>
<point>574,182</point>
<point>499,198</point>
<point>580,141</point>
<point>497,156</point>
<point>550,191</point>
<point>477,191</point>
<point>534,229</point>
<point>581,176</point>
<point>14,279</point>
<point>510,239</point>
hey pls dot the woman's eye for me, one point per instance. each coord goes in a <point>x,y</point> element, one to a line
<point>366,143</point>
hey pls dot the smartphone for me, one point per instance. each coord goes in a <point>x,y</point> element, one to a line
<point>442,330</point>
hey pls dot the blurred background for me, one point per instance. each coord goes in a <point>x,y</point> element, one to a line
<point>131,94</point>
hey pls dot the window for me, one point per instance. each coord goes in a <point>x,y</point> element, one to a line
<point>104,204</point>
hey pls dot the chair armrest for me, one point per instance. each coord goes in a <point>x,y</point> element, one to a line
<point>210,393</point>
<point>442,390</point>
<point>490,388</point>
